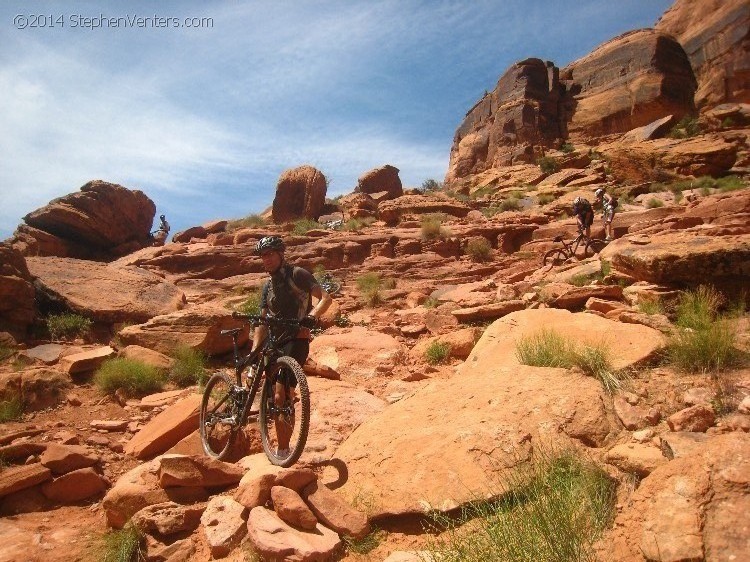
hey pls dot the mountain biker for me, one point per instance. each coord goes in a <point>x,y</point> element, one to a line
<point>161,233</point>
<point>609,204</point>
<point>287,294</point>
<point>584,213</point>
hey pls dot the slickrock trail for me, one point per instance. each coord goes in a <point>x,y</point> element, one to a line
<point>423,400</point>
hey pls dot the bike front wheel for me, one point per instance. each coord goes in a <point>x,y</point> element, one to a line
<point>594,246</point>
<point>554,258</point>
<point>219,416</point>
<point>284,426</point>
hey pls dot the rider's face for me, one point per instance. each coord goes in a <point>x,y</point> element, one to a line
<point>271,260</point>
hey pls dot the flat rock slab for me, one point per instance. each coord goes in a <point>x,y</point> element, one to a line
<point>48,353</point>
<point>629,344</point>
<point>86,360</point>
<point>487,311</point>
<point>166,429</point>
<point>106,292</point>
<point>454,439</point>
<point>21,477</point>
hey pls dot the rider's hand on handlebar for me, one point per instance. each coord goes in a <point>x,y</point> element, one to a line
<point>309,321</point>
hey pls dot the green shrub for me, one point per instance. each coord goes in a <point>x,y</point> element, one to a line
<point>342,321</point>
<point>355,225</point>
<point>479,249</point>
<point>432,227</point>
<point>437,352</point>
<point>727,123</point>
<point>6,352</point>
<point>371,284</point>
<point>552,508</point>
<point>11,409</point>
<point>482,191</point>
<point>366,544</point>
<point>595,155</point>
<point>250,221</point>
<point>251,305</point>
<point>580,280</point>
<point>653,203</point>
<point>547,164</point>
<point>567,148</point>
<point>136,377</point>
<point>67,325</point>
<point>430,185</point>
<point>704,340</point>
<point>545,198</point>
<point>490,211</point>
<point>189,367</point>
<point>124,545</point>
<point>431,302</point>
<point>510,205</point>
<point>730,183</point>
<point>687,127</point>
<point>548,348</point>
<point>651,306</point>
<point>303,226</point>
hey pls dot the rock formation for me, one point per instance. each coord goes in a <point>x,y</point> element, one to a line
<point>102,221</point>
<point>379,180</point>
<point>300,193</point>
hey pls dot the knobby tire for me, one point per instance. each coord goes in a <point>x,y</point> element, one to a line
<point>217,406</point>
<point>555,257</point>
<point>594,246</point>
<point>299,420</point>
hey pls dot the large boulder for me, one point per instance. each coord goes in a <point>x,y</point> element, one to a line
<point>628,82</point>
<point>198,327</point>
<point>453,440</point>
<point>381,179</point>
<point>682,258</point>
<point>691,508</point>
<point>101,221</point>
<point>16,291</point>
<point>714,36</point>
<point>103,292</point>
<point>300,193</point>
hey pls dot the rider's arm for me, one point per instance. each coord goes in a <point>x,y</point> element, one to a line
<point>324,301</point>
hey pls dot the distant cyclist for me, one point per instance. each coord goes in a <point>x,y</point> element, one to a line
<point>609,204</point>
<point>288,294</point>
<point>584,213</point>
<point>161,233</point>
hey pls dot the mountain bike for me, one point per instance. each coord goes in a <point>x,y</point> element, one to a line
<point>558,256</point>
<point>229,403</point>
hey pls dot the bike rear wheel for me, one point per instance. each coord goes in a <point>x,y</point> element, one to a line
<point>283,428</point>
<point>555,257</point>
<point>594,246</point>
<point>219,415</point>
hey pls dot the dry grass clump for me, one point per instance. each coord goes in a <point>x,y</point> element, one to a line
<point>548,348</point>
<point>189,367</point>
<point>551,509</point>
<point>11,409</point>
<point>123,545</point>
<point>479,249</point>
<point>67,325</point>
<point>432,226</point>
<point>371,285</point>
<point>437,352</point>
<point>135,377</point>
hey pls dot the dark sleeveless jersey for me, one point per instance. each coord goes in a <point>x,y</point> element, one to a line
<point>287,293</point>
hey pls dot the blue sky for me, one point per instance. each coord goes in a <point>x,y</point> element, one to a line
<point>204,119</point>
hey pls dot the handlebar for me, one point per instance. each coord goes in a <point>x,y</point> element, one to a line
<point>270,321</point>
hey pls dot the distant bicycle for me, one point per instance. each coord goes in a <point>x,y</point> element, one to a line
<point>227,403</point>
<point>327,282</point>
<point>558,256</point>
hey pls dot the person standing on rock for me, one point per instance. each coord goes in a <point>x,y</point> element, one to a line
<point>160,236</point>
<point>584,213</point>
<point>609,204</point>
<point>288,294</point>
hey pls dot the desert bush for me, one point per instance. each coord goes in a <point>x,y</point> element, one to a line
<point>490,211</point>
<point>510,204</point>
<point>67,325</point>
<point>366,544</point>
<point>303,226</point>
<point>552,508</point>
<point>730,183</point>
<point>479,249</point>
<point>430,185</point>
<point>11,409</point>
<point>251,304</point>
<point>432,226</point>
<point>135,377</point>
<point>567,147</point>
<point>371,285</point>
<point>355,225</point>
<point>651,306</point>
<point>189,367</point>
<point>687,127</point>
<point>545,198</point>
<point>6,352</point>
<point>250,221</point>
<point>437,352</point>
<point>547,164</point>
<point>653,203</point>
<point>342,321</point>
<point>727,123</point>
<point>431,302</point>
<point>704,340</point>
<point>123,545</point>
<point>548,348</point>
<point>580,280</point>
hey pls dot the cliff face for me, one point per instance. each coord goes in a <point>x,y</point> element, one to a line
<point>716,37</point>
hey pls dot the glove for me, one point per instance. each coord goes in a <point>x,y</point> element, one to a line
<point>309,322</point>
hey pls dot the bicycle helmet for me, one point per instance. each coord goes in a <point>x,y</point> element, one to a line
<point>270,243</point>
<point>161,217</point>
<point>578,201</point>
<point>599,192</point>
